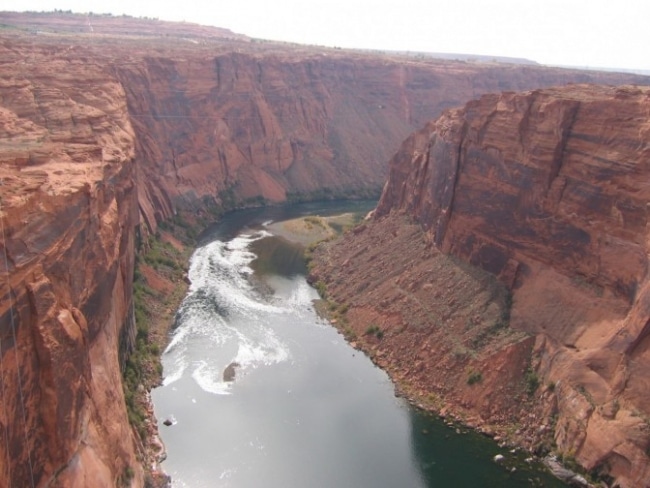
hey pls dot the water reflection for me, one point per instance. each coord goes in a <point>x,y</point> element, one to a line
<point>451,455</point>
<point>276,256</point>
<point>305,409</point>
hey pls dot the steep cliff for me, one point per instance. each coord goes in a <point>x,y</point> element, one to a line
<point>548,191</point>
<point>221,120</point>
<point>69,214</point>
<point>261,125</point>
<point>104,135</point>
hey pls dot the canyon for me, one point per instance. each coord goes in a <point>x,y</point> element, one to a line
<point>109,131</point>
<point>506,266</point>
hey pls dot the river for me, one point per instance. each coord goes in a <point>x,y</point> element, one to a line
<point>304,408</point>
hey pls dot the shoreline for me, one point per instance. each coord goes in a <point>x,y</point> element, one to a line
<point>297,231</point>
<point>162,278</point>
<point>306,232</point>
<point>521,428</point>
<point>455,417</point>
<point>311,229</point>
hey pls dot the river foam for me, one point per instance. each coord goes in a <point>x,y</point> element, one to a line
<point>226,315</point>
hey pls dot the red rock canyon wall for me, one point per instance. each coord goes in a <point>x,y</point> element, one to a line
<point>69,214</point>
<point>549,191</point>
<point>103,133</point>
<point>261,125</point>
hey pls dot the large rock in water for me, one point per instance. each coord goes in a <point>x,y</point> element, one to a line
<point>548,191</point>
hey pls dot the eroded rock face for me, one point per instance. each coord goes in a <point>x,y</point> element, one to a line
<point>69,213</point>
<point>266,126</point>
<point>103,134</point>
<point>548,190</point>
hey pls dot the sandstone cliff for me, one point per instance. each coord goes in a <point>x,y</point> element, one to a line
<point>107,135</point>
<point>261,126</point>
<point>548,191</point>
<point>222,121</point>
<point>69,213</point>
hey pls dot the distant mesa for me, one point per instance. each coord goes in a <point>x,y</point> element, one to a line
<point>66,22</point>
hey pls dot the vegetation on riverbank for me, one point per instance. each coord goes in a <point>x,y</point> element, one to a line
<point>159,285</point>
<point>395,298</point>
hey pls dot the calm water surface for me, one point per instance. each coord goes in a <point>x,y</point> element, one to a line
<point>304,409</point>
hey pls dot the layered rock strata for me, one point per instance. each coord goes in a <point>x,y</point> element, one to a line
<point>547,191</point>
<point>106,134</point>
<point>69,215</point>
<point>257,127</point>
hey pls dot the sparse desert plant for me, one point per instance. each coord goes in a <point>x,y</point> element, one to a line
<point>474,377</point>
<point>373,329</point>
<point>532,381</point>
<point>321,288</point>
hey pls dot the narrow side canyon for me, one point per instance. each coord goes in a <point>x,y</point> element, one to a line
<point>105,135</point>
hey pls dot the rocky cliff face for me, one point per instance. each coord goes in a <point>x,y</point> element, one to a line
<point>69,213</point>
<point>101,134</point>
<point>546,190</point>
<point>264,126</point>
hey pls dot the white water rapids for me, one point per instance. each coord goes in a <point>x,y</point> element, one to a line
<point>228,318</point>
<point>304,409</point>
<point>297,405</point>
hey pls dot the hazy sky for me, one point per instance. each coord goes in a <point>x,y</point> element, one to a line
<point>595,33</point>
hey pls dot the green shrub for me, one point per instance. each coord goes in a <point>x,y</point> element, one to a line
<point>126,477</point>
<point>474,377</point>
<point>321,288</point>
<point>374,329</point>
<point>532,381</point>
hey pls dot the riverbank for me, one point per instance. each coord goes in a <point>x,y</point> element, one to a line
<point>439,329</point>
<point>397,299</point>
<point>313,228</point>
<point>160,284</point>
